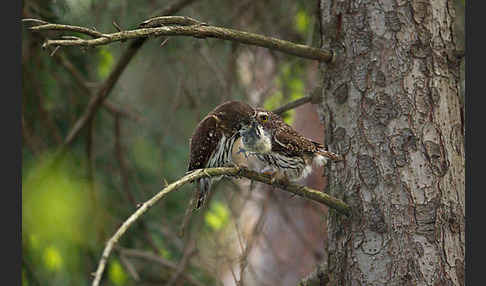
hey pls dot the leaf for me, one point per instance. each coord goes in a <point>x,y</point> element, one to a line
<point>105,63</point>
<point>301,22</point>
<point>52,258</point>
<point>116,273</point>
<point>217,216</point>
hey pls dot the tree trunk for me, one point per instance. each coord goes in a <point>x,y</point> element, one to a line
<point>391,107</point>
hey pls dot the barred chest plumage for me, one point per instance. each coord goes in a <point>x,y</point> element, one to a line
<point>294,168</point>
<point>221,156</point>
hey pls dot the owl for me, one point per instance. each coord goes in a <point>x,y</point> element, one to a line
<point>282,151</point>
<point>216,142</point>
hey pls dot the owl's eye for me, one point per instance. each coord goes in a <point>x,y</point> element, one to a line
<point>263,117</point>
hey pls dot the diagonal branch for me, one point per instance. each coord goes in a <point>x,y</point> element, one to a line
<point>83,84</point>
<point>184,26</point>
<point>113,77</point>
<point>303,191</point>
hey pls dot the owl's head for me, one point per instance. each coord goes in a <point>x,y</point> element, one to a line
<point>256,135</point>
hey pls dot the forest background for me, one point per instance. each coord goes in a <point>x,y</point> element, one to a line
<point>139,140</point>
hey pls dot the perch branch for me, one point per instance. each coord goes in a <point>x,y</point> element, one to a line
<point>182,26</point>
<point>303,191</point>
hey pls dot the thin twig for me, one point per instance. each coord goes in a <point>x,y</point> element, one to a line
<point>103,92</point>
<point>171,20</point>
<point>313,97</point>
<point>284,213</point>
<point>129,267</point>
<point>303,191</point>
<point>189,252</point>
<point>59,27</point>
<point>115,24</point>
<point>291,105</point>
<point>54,51</point>
<point>83,84</point>
<point>257,228</point>
<point>113,77</point>
<point>35,21</point>
<point>125,181</point>
<point>121,162</point>
<point>157,259</point>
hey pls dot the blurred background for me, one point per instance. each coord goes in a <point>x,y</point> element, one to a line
<point>248,233</point>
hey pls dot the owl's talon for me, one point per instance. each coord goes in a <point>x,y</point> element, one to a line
<point>270,172</point>
<point>273,178</point>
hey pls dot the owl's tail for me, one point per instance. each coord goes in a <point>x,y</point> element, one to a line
<point>326,154</point>
<point>329,155</point>
<point>203,186</point>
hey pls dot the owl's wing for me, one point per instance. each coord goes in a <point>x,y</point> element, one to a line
<point>291,143</point>
<point>203,142</point>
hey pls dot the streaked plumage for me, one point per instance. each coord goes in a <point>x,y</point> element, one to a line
<point>213,141</point>
<point>235,133</point>
<point>290,154</point>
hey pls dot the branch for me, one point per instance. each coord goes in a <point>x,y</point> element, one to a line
<point>314,98</point>
<point>303,191</point>
<point>113,77</point>
<point>103,92</point>
<point>184,26</point>
<point>83,83</point>
<point>189,252</point>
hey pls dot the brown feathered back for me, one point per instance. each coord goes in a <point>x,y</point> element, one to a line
<point>224,119</point>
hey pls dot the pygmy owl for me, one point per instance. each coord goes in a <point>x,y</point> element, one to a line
<point>281,150</point>
<point>216,142</point>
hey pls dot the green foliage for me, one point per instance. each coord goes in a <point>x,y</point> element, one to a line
<point>56,203</point>
<point>116,273</point>
<point>289,88</point>
<point>52,258</point>
<point>146,155</point>
<point>25,280</point>
<point>105,63</point>
<point>57,215</point>
<point>302,22</point>
<point>217,217</point>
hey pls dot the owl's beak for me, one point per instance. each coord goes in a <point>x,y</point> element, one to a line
<point>254,138</point>
<point>252,132</point>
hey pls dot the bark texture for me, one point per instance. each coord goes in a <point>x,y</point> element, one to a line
<point>391,106</point>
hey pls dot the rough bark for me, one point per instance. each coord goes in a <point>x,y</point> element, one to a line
<point>391,107</point>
